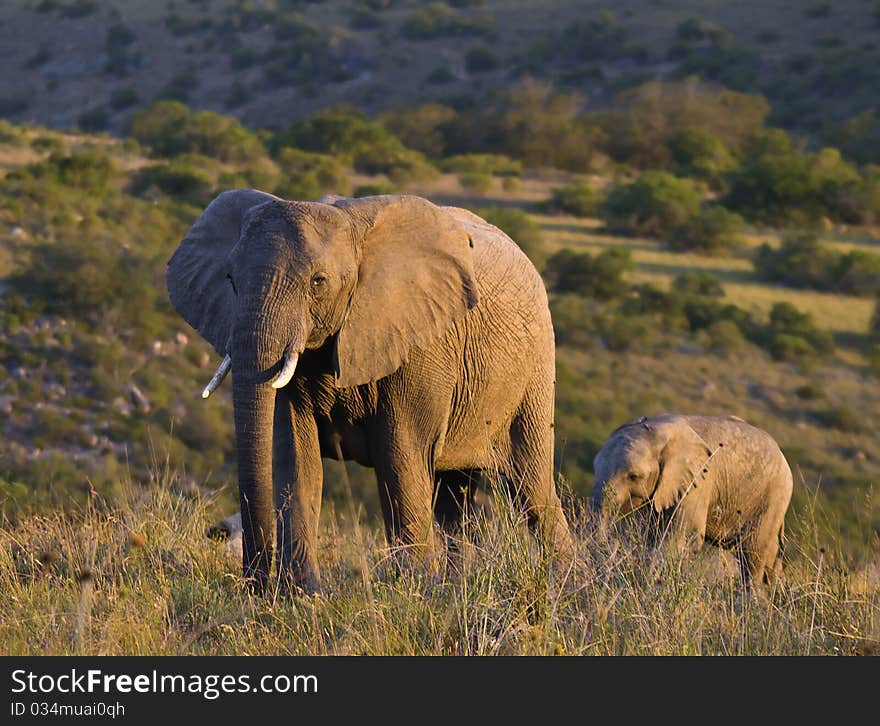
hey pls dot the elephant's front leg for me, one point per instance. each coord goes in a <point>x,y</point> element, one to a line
<point>689,521</point>
<point>406,495</point>
<point>298,476</point>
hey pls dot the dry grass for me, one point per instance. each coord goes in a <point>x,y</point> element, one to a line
<point>140,578</point>
<point>654,264</point>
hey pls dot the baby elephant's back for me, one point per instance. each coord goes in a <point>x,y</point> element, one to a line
<point>742,451</point>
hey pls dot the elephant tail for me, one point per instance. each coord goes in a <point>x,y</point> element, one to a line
<point>781,549</point>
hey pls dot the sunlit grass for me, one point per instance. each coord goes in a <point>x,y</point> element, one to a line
<point>656,265</point>
<point>141,578</point>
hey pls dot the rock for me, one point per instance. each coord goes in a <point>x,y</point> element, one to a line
<point>138,399</point>
<point>121,405</point>
<point>860,456</point>
<point>204,360</point>
<point>6,405</point>
<point>181,338</point>
<point>228,531</point>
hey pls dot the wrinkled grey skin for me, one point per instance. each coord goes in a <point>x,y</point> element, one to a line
<point>719,478</point>
<point>425,351</point>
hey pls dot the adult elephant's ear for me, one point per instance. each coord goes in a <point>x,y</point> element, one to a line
<point>683,457</point>
<point>196,274</point>
<point>415,279</point>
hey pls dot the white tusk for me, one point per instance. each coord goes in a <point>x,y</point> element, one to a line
<point>287,371</point>
<point>215,382</point>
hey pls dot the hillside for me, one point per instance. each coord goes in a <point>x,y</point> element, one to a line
<point>100,379</point>
<point>697,182</point>
<point>271,61</point>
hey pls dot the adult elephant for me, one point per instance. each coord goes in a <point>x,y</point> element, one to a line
<point>412,338</point>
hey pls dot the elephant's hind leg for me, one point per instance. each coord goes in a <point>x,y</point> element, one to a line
<point>529,469</point>
<point>453,498</point>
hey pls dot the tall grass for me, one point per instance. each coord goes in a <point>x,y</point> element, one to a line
<point>140,577</point>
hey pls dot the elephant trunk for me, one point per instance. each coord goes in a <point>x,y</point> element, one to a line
<point>254,415</point>
<point>262,349</point>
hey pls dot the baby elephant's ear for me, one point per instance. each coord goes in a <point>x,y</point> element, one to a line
<point>196,275</point>
<point>682,458</point>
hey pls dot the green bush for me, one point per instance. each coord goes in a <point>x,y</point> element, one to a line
<point>475,181</point>
<point>698,283</point>
<point>440,75</point>
<point>843,418</point>
<point>181,181</point>
<point>170,128</point>
<point>373,190</point>
<point>438,20</point>
<point>307,175</point>
<point>422,128</point>
<point>123,98</point>
<point>521,228</point>
<point>579,199</point>
<point>490,164</point>
<point>599,277</point>
<point>94,119</point>
<point>653,205</point>
<point>643,120</point>
<point>724,337</point>
<point>778,182</point>
<point>479,59</point>
<point>802,261</point>
<point>792,335</point>
<point>712,230</point>
<point>698,154</point>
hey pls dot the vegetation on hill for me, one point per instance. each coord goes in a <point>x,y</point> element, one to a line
<point>706,229</point>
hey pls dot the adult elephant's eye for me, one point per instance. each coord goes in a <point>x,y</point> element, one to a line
<point>632,476</point>
<point>319,280</point>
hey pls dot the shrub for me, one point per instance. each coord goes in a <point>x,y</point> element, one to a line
<point>490,164</point>
<point>372,190</point>
<point>579,199</point>
<point>475,181</point>
<point>521,228</point>
<point>724,337</point>
<point>181,181</point>
<point>364,18</point>
<point>94,119</point>
<point>643,119</point>
<point>698,283</point>
<point>438,20</point>
<point>480,59</point>
<point>422,128</point>
<point>697,153</point>
<point>843,418</point>
<point>123,98</point>
<point>180,85</point>
<point>308,176</point>
<point>398,163</point>
<point>599,276</point>
<point>654,205</point>
<point>792,335</point>
<point>439,75</point>
<point>802,261</point>
<point>170,128</point>
<point>778,182</point>
<point>712,230</point>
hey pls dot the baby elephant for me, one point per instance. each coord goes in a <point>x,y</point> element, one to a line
<point>719,478</point>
